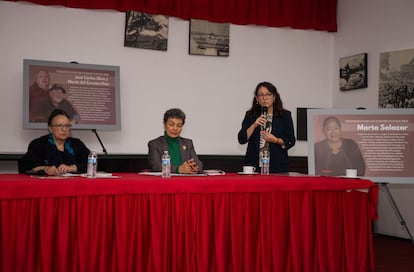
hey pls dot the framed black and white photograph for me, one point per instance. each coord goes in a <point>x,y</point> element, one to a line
<point>353,72</point>
<point>396,79</point>
<point>209,39</point>
<point>148,31</point>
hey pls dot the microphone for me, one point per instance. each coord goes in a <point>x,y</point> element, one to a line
<point>264,112</point>
<point>36,173</point>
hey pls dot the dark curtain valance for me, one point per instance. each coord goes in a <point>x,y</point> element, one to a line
<point>299,14</point>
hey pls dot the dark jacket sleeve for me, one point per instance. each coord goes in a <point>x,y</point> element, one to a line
<point>81,154</point>
<point>242,135</point>
<point>154,154</point>
<point>35,155</point>
<point>288,133</point>
<point>188,152</point>
<point>355,156</point>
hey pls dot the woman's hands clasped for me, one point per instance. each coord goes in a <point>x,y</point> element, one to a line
<point>189,167</point>
<point>61,169</point>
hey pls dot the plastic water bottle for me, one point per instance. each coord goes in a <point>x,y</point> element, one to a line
<point>92,164</point>
<point>166,165</point>
<point>265,163</point>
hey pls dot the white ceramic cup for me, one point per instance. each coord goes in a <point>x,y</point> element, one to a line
<point>351,173</point>
<point>248,169</point>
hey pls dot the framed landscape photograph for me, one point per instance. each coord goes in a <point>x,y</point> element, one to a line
<point>148,31</point>
<point>209,39</point>
<point>396,79</point>
<point>353,72</point>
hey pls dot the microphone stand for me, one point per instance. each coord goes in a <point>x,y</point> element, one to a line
<point>94,130</point>
<point>99,139</point>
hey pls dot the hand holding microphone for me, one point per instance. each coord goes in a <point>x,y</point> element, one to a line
<point>264,116</point>
<point>262,119</point>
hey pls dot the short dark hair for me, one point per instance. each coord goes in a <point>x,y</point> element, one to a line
<point>56,113</point>
<point>174,113</point>
<point>57,87</point>
<point>330,118</point>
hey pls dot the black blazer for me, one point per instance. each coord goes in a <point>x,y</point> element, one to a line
<point>282,127</point>
<point>37,155</point>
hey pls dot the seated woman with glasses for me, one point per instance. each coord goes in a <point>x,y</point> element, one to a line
<point>184,159</point>
<point>56,153</point>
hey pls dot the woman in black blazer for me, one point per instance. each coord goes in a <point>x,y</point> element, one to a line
<point>267,126</point>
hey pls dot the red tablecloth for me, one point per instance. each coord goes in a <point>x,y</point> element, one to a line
<point>214,223</point>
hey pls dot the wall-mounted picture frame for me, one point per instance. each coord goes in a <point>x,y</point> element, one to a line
<point>148,31</point>
<point>353,72</point>
<point>209,39</point>
<point>396,79</point>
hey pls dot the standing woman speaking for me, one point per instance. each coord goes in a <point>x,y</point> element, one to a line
<point>267,126</point>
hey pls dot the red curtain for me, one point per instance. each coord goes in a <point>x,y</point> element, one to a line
<point>300,14</point>
<point>300,231</point>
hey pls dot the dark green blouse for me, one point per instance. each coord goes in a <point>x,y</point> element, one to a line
<point>173,150</point>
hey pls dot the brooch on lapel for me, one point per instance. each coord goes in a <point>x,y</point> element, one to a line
<point>184,147</point>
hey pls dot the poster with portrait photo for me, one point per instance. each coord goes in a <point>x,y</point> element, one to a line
<point>384,138</point>
<point>396,79</point>
<point>89,93</point>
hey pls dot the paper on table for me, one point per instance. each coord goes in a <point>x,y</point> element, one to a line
<point>50,177</point>
<point>150,173</point>
<point>159,174</point>
<point>214,172</point>
<point>70,175</point>
<point>102,175</point>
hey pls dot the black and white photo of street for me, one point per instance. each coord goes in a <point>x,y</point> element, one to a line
<point>396,79</point>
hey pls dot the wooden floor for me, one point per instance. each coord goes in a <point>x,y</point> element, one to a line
<point>393,254</point>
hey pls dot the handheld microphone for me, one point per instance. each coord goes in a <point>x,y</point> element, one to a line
<point>264,112</point>
<point>36,173</point>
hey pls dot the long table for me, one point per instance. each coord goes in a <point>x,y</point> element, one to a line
<point>192,223</point>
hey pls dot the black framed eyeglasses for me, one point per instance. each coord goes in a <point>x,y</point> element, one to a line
<point>62,126</point>
<point>267,95</point>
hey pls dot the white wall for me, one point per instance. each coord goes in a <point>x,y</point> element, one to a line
<point>375,26</point>
<point>214,92</point>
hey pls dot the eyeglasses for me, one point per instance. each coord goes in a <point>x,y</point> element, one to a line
<point>264,95</point>
<point>62,126</point>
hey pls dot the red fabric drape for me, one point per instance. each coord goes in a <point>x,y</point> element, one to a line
<point>281,231</point>
<point>224,223</point>
<point>300,14</point>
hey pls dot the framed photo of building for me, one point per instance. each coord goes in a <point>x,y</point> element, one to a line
<point>209,39</point>
<point>353,72</point>
<point>143,30</point>
<point>396,79</point>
